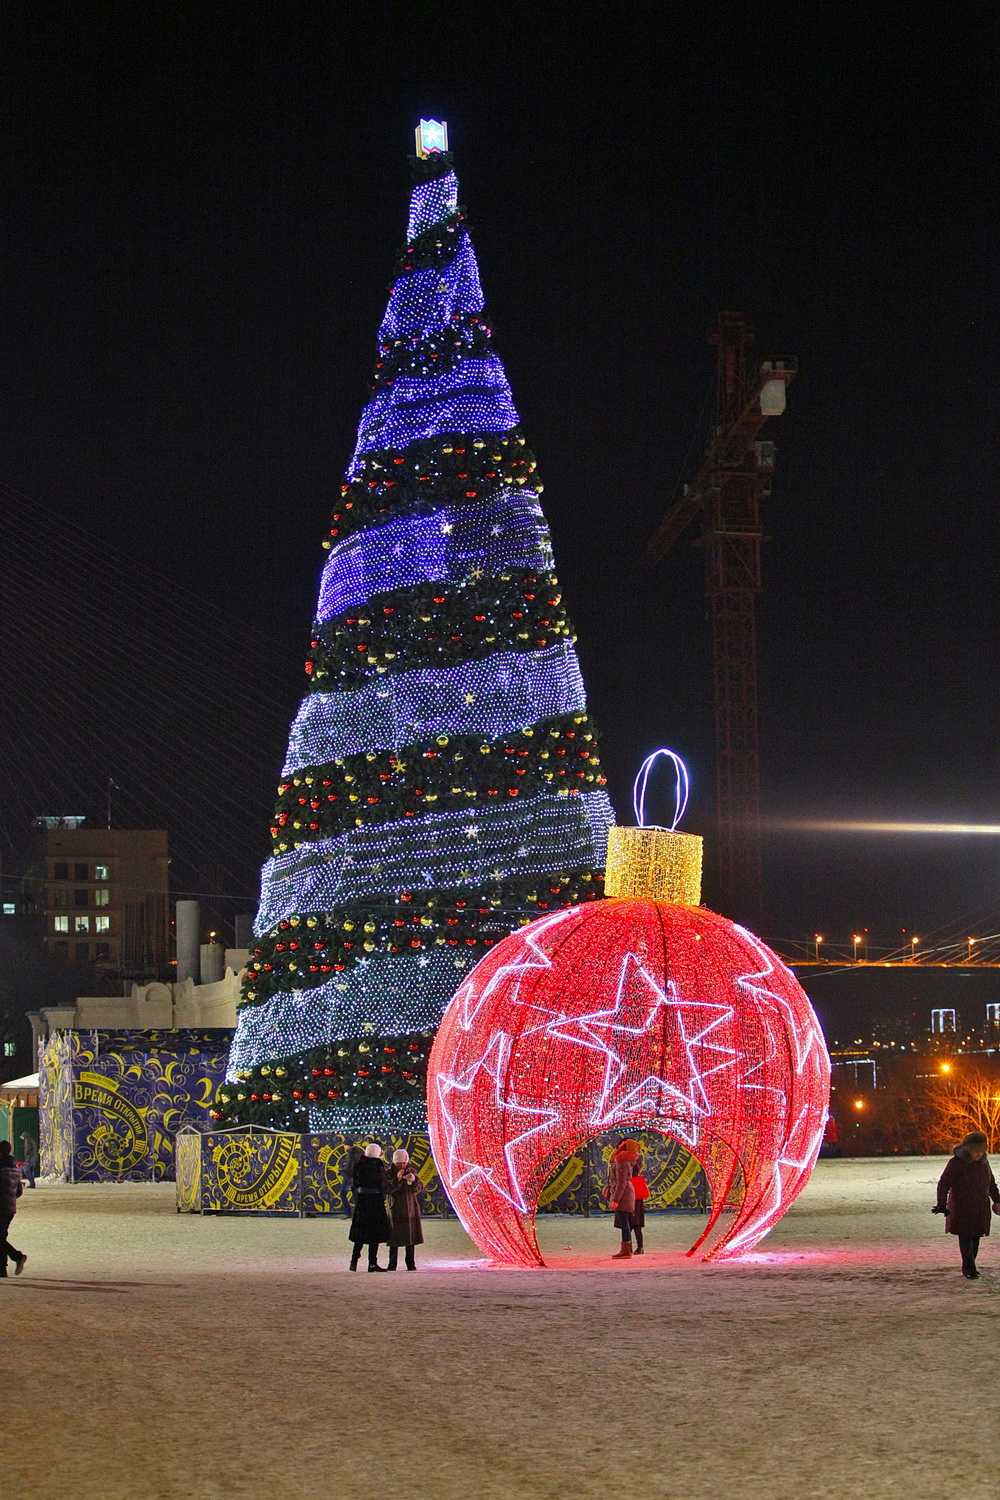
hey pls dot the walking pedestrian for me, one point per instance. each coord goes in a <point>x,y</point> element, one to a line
<point>10,1191</point>
<point>405,1225</point>
<point>370,1224</point>
<point>620,1192</point>
<point>29,1147</point>
<point>964,1191</point>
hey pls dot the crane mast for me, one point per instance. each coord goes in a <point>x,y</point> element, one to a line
<point>728,490</point>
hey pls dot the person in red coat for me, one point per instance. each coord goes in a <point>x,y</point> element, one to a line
<point>621,1194</point>
<point>964,1191</point>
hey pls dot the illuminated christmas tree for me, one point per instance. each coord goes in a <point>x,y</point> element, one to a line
<point>442,784</point>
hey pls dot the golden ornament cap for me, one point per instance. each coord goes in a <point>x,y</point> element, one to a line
<point>656,863</point>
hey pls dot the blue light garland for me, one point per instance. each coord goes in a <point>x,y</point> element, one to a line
<point>451,545</point>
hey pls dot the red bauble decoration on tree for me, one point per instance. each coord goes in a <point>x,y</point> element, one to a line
<point>627,1014</point>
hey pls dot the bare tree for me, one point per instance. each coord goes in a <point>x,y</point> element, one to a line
<point>967,1099</point>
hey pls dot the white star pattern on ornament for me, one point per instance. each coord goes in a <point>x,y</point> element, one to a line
<point>446,528</point>
<point>490,1069</point>
<point>640,1004</point>
<point>806,1038</point>
<point>510,976</point>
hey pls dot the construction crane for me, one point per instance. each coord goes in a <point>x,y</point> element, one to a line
<point>733,480</point>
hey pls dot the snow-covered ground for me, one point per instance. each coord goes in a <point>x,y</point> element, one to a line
<point>151,1356</point>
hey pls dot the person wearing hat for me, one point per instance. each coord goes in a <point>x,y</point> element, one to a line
<point>404,1210</point>
<point>964,1193</point>
<point>10,1190</point>
<point>370,1223</point>
<point>620,1192</point>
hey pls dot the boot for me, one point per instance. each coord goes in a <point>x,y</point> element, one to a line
<point>625,1253</point>
<point>638,1242</point>
<point>393,1258</point>
<point>354,1260</point>
<point>411,1259</point>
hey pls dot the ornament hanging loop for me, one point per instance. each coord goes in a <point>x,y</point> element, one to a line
<point>681,789</point>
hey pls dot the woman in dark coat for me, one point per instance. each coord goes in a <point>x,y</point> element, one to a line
<point>10,1191</point>
<point>964,1191</point>
<point>404,1210</point>
<point>621,1193</point>
<point>370,1224</point>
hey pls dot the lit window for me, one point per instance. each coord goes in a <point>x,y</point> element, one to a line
<point>82,924</point>
<point>8,1049</point>
<point>993,1015</point>
<point>60,896</point>
<point>60,924</point>
<point>60,872</point>
<point>10,908</point>
<point>100,872</point>
<point>102,897</point>
<point>101,924</point>
<point>80,898</point>
<point>81,872</point>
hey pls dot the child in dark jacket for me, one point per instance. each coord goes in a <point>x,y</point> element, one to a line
<point>10,1191</point>
<point>964,1191</point>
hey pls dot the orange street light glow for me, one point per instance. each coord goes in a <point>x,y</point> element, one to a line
<point>946,1067</point>
<point>859,1104</point>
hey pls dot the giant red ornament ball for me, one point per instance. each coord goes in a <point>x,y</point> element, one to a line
<point>623,1015</point>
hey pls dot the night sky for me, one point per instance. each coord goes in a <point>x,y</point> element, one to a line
<point>199,207</point>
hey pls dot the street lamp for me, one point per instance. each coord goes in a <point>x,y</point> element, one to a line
<point>817,940</point>
<point>913,948</point>
<point>970,942</point>
<point>857,940</point>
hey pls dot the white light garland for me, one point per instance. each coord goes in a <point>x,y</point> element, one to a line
<point>492,696</point>
<point>531,835</point>
<point>385,996</point>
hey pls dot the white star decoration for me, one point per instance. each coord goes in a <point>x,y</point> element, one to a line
<point>640,1005</point>
<point>490,1072</point>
